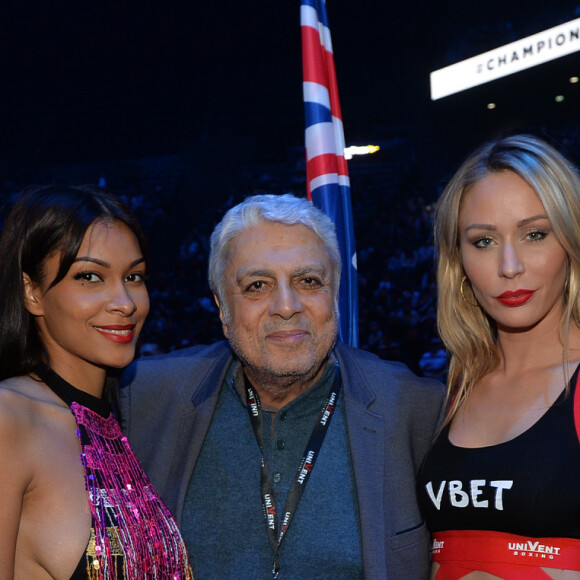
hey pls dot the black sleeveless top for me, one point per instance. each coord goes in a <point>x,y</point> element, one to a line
<point>528,486</point>
<point>133,535</point>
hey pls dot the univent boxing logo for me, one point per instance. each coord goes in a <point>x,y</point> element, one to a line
<point>285,523</point>
<point>270,511</point>
<point>253,406</point>
<point>306,468</point>
<point>329,410</point>
<point>532,549</point>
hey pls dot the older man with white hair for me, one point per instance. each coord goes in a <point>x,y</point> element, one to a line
<point>282,453</point>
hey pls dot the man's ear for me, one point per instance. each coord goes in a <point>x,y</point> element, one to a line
<point>32,296</point>
<point>222,315</point>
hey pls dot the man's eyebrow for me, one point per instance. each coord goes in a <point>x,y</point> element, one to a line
<point>256,272</point>
<point>269,273</point>
<point>308,269</point>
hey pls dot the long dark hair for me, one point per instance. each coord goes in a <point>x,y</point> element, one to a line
<point>42,221</point>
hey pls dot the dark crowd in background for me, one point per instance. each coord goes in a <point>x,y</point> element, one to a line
<point>86,86</point>
<point>393,206</point>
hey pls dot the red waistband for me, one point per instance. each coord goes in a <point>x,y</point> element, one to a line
<point>472,548</point>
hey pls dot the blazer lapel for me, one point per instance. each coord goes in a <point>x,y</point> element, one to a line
<point>205,386</point>
<point>366,432</point>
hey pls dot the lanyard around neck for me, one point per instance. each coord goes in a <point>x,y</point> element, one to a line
<point>275,535</point>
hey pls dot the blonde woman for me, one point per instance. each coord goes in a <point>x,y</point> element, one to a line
<point>500,489</point>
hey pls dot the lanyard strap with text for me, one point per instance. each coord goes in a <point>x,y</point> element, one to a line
<point>302,474</point>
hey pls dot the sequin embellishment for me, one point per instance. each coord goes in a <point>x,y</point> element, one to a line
<point>134,534</point>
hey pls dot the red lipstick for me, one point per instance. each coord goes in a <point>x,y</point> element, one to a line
<point>515,298</point>
<point>121,333</point>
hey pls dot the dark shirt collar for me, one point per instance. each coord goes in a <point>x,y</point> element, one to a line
<point>235,379</point>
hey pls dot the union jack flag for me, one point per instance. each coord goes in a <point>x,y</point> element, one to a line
<point>327,181</point>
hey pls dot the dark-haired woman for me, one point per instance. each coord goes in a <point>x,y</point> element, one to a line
<point>75,502</point>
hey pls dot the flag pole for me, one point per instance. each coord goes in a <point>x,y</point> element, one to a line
<point>327,178</point>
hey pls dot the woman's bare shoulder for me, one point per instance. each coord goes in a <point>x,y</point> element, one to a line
<point>24,402</point>
<point>22,405</point>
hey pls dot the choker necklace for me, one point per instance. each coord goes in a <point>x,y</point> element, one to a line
<point>70,394</point>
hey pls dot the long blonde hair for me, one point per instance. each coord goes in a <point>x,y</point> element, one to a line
<point>468,333</point>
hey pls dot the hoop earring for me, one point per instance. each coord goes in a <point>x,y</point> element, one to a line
<point>463,279</point>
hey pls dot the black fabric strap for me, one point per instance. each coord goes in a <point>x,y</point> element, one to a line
<point>275,535</point>
<point>70,394</point>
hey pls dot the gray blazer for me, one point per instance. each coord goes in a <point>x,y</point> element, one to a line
<point>167,404</point>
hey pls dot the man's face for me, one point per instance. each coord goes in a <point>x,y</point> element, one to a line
<point>281,320</point>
